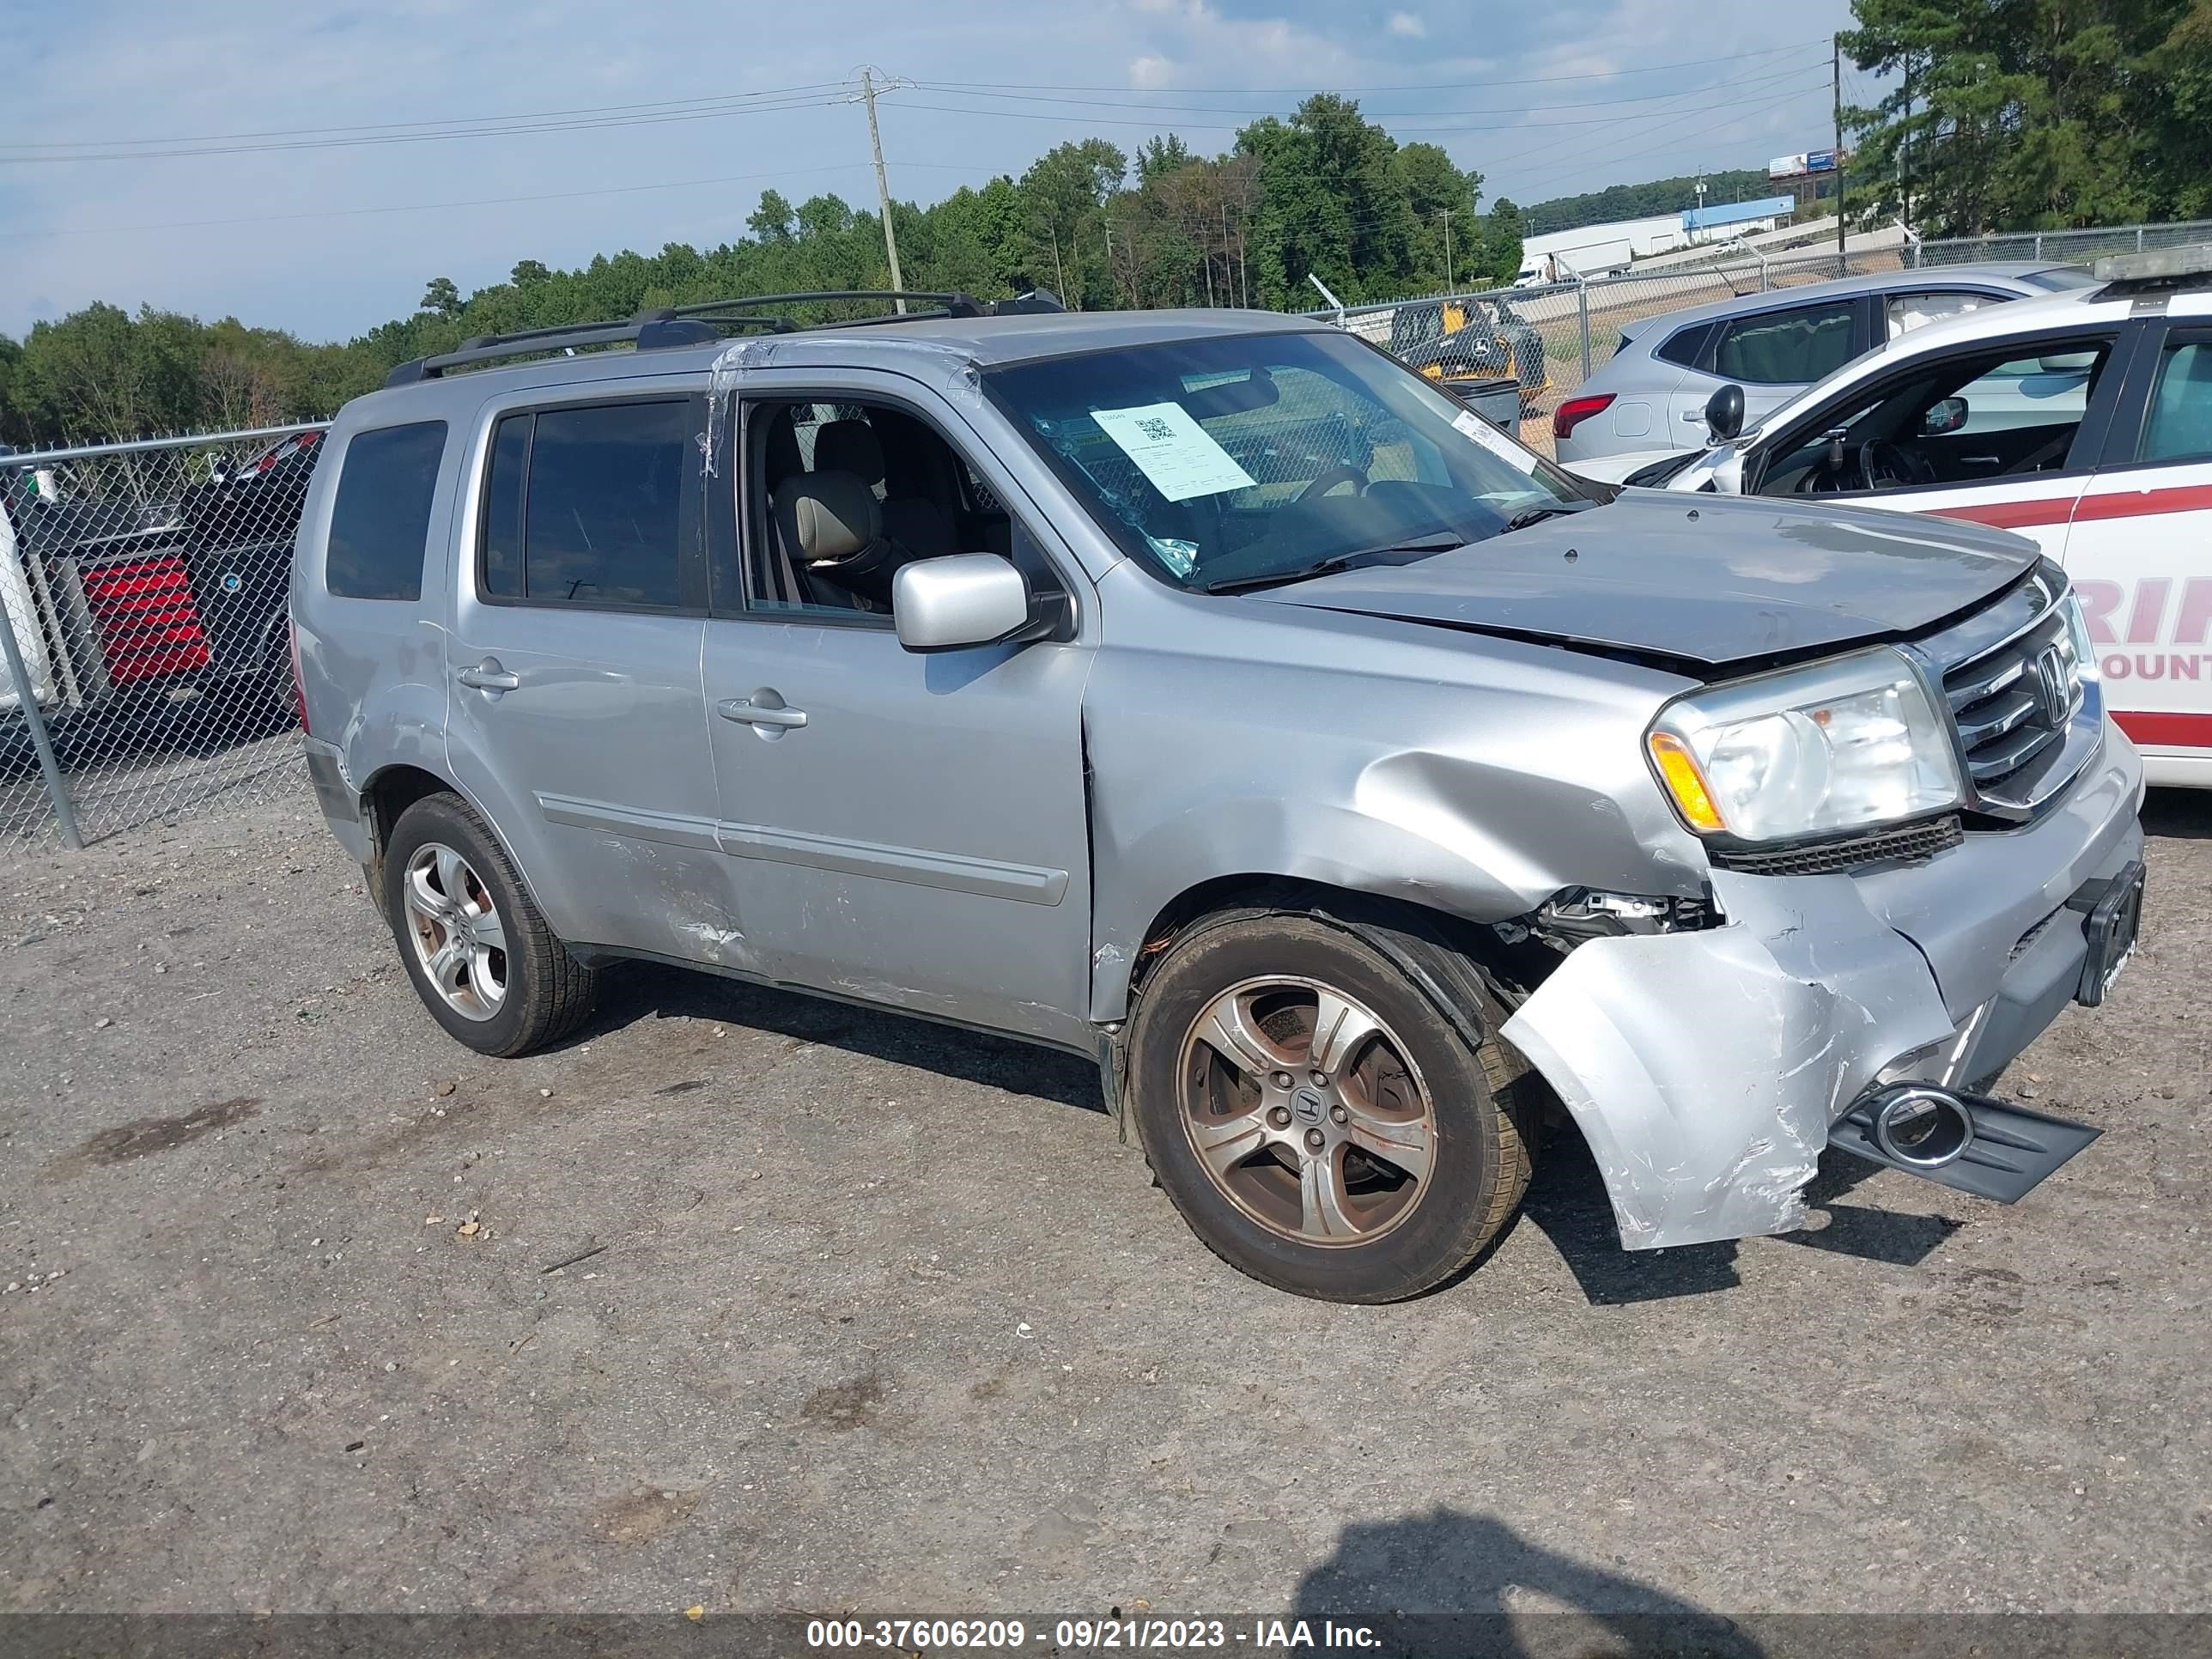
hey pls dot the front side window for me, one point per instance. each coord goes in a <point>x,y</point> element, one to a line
<point>2003,412</point>
<point>2179,428</point>
<point>1786,348</point>
<point>381,519</point>
<point>1249,458</point>
<point>585,505</point>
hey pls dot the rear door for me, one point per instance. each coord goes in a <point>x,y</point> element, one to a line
<point>1773,356</point>
<point>576,721</point>
<point>2141,555</point>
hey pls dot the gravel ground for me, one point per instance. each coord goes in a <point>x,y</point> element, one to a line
<point>882,1317</point>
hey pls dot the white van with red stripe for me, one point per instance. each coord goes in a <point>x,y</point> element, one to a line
<point>2083,421</point>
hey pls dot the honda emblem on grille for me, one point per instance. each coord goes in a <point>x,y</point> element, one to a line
<point>2054,687</point>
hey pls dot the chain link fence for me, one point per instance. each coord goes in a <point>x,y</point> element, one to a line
<point>2072,247</point>
<point>147,660</point>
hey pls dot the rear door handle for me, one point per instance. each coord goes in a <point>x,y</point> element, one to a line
<point>746,712</point>
<point>489,676</point>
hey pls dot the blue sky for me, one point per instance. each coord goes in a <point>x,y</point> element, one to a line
<point>332,235</point>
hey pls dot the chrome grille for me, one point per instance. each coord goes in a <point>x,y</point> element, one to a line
<point>2013,706</point>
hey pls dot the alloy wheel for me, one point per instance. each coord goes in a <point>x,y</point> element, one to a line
<point>1305,1110</point>
<point>459,940</point>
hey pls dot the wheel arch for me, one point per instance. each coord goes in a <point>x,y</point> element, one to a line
<point>1463,968</point>
<point>391,790</point>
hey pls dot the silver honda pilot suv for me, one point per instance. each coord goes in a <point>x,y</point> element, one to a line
<point>1205,694</point>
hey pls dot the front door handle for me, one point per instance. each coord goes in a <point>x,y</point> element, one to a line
<point>746,712</point>
<point>489,676</point>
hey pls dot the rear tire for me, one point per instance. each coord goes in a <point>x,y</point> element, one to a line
<point>1315,1111</point>
<point>480,953</point>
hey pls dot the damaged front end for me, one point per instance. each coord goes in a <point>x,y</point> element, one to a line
<point>1709,1053</point>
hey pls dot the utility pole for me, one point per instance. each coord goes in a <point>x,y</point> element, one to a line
<point>1907,189</point>
<point>1445,215</point>
<point>1836,89</point>
<point>883,184</point>
<point>1228,274</point>
<point>1059,274</point>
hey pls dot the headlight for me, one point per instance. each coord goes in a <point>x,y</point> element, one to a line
<point>1848,745</point>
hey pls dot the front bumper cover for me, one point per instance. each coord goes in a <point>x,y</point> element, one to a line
<point>1704,1069</point>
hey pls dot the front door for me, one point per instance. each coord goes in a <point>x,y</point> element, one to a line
<point>575,717</point>
<point>2141,560</point>
<point>1999,433</point>
<point>900,829</point>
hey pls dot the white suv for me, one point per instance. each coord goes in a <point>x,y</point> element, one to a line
<point>2083,421</point>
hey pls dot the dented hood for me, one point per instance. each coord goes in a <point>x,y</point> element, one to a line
<point>1711,580</point>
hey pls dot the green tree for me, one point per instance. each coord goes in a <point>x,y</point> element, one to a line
<point>1441,198</point>
<point>1331,204</point>
<point>2033,114</point>
<point>528,272</point>
<point>771,221</point>
<point>1502,236</point>
<point>1161,155</point>
<point>440,296</point>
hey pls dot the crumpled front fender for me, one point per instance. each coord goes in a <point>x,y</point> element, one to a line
<point>1704,1068</point>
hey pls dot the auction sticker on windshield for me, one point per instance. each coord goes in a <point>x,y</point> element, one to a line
<point>1493,441</point>
<point>1177,454</point>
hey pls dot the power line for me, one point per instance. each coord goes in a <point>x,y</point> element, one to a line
<point>1371,115</point>
<point>476,202</point>
<point>380,139</point>
<point>1417,85</point>
<point>445,121</point>
<point>1653,122</point>
<point>1260,115</point>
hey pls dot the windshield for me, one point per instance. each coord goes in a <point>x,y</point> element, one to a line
<point>1258,457</point>
<point>2062,278</point>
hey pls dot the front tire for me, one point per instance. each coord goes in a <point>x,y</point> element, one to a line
<point>482,957</point>
<point>1320,1120</point>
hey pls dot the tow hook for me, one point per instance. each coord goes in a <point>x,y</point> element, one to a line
<point>1992,1148</point>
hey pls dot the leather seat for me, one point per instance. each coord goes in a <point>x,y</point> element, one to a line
<point>915,522</point>
<point>833,526</point>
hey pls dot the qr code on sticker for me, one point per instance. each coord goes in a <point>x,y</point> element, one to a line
<point>1156,428</point>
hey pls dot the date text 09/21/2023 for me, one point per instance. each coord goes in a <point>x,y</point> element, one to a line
<point>1085,1635</point>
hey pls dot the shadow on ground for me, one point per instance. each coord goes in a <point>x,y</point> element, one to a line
<point>1566,1199</point>
<point>637,991</point>
<point>1446,1583</point>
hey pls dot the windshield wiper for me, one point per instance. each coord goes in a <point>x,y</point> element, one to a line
<point>1528,515</point>
<point>1440,542</point>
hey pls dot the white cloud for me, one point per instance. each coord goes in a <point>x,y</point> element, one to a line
<point>1409,25</point>
<point>1150,70</point>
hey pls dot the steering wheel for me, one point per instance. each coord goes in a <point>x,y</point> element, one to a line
<point>1909,466</point>
<point>1330,479</point>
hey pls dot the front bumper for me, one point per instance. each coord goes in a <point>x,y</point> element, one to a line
<point>1704,1069</point>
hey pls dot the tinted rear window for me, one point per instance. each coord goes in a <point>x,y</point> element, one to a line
<point>585,505</point>
<point>382,516</point>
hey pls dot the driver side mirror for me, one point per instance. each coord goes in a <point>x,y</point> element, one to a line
<point>1944,414</point>
<point>967,600</point>
<point>1724,413</point>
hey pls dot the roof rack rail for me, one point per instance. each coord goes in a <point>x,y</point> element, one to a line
<point>672,326</point>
